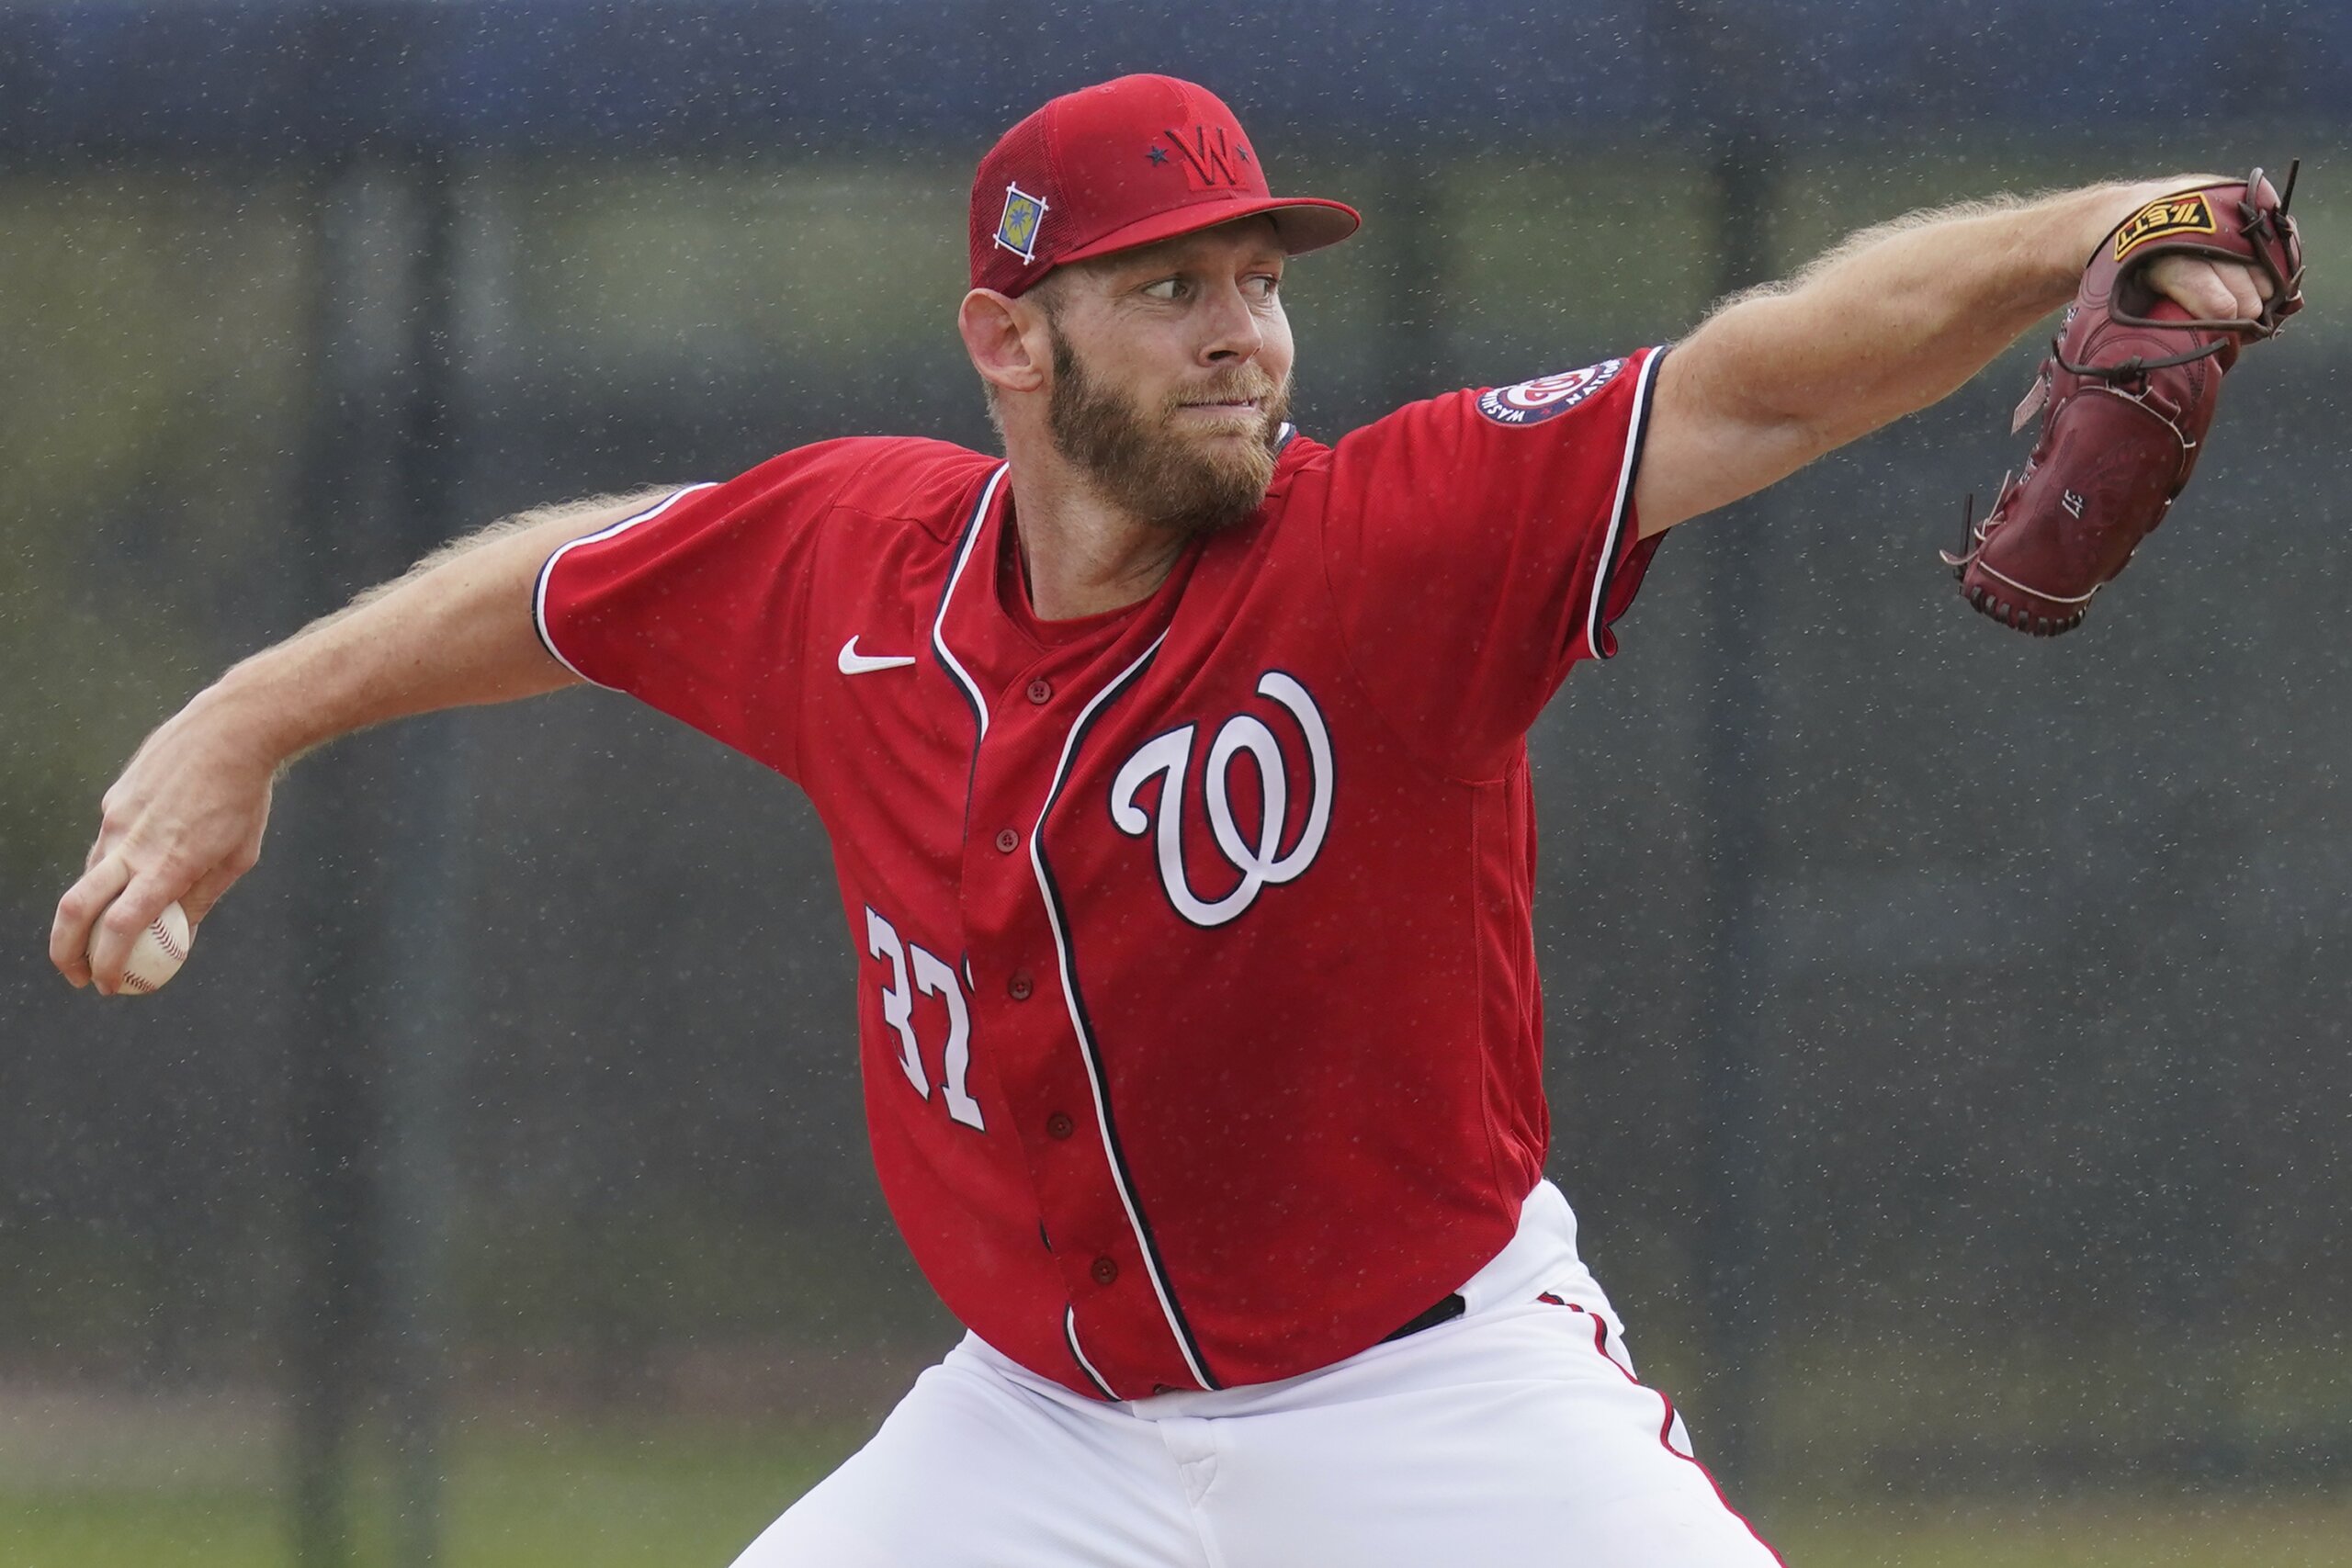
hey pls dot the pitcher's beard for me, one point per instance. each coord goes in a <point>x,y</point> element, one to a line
<point>1145,466</point>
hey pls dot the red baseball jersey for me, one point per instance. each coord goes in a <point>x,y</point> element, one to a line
<point>1199,1025</point>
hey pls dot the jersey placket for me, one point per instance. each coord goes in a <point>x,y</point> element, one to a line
<point>1121,1322</point>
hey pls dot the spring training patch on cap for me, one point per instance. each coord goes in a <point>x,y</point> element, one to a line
<point>1017,230</point>
<point>1531,403</point>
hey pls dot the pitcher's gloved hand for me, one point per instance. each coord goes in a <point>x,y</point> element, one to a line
<point>2125,397</point>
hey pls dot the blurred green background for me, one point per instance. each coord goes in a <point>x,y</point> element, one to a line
<point>2038,953</point>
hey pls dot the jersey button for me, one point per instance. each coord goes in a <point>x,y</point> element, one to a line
<point>1059,1126</point>
<point>1007,841</point>
<point>1105,1271</point>
<point>1021,987</point>
<point>1040,692</point>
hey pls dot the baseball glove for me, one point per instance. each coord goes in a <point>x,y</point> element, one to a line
<point>2125,396</point>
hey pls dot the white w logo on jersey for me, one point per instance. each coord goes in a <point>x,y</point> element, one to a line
<point>1260,863</point>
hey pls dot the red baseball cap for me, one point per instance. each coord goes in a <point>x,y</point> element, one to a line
<point>1121,164</point>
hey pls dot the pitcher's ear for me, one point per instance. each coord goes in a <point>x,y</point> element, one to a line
<point>1006,340</point>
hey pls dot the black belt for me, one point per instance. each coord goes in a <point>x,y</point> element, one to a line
<point>1445,1311</point>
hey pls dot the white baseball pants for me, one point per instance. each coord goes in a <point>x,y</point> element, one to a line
<point>1514,1434</point>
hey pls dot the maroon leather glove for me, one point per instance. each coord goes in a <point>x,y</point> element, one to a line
<point>2126,394</point>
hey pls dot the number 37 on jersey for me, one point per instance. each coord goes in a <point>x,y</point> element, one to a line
<point>916,969</point>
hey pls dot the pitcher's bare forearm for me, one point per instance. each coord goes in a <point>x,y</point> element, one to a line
<point>1893,320</point>
<point>185,819</point>
<point>455,630</point>
<point>1900,315</point>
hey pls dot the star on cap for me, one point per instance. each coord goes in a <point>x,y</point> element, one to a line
<point>1156,154</point>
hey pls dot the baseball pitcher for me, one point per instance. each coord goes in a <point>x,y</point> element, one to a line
<point>1175,768</point>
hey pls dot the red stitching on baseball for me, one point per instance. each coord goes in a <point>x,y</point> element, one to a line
<point>164,940</point>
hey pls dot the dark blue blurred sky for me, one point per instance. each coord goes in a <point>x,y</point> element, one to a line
<point>277,80</point>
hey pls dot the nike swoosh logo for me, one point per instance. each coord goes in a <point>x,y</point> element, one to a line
<point>855,663</point>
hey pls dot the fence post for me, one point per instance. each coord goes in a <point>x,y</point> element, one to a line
<point>424,933</point>
<point>372,1070</point>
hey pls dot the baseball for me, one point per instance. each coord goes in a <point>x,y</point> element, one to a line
<point>158,954</point>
